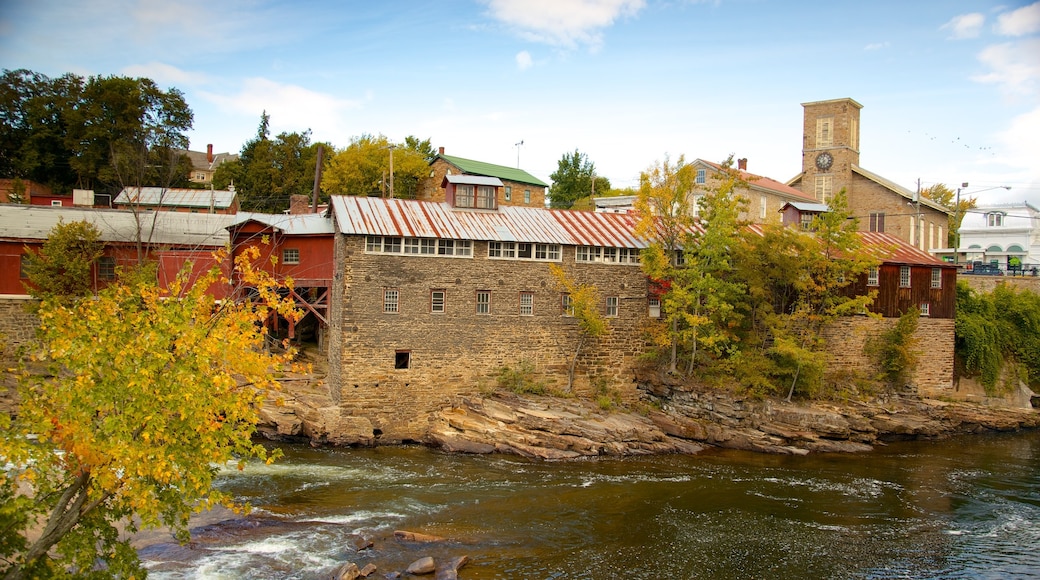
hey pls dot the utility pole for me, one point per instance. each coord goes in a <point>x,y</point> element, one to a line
<point>957,218</point>
<point>920,236</point>
<point>391,147</point>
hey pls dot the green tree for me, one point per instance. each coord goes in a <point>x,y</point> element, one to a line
<point>62,270</point>
<point>363,168</point>
<point>667,221</point>
<point>997,332</point>
<point>575,179</point>
<point>129,435</point>
<point>269,171</point>
<point>34,125</point>
<point>423,147</point>
<point>583,303</point>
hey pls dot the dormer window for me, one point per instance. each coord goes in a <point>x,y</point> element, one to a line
<point>995,219</point>
<point>471,191</point>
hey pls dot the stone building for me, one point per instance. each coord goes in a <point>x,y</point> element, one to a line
<point>518,186</point>
<point>765,197</point>
<point>830,162</point>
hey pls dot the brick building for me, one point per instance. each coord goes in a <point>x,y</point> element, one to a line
<point>765,196</point>
<point>518,186</point>
<point>830,162</point>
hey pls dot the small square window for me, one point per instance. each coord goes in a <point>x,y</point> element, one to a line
<point>527,304</point>
<point>391,299</point>
<point>483,302</point>
<point>926,309</point>
<point>402,359</point>
<point>106,268</point>
<point>654,305</point>
<point>55,203</point>
<point>437,301</point>
<point>290,256</point>
<point>568,305</point>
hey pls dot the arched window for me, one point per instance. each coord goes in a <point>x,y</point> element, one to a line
<point>995,219</point>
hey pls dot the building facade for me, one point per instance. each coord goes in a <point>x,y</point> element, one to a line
<point>518,186</point>
<point>1006,236</point>
<point>831,162</point>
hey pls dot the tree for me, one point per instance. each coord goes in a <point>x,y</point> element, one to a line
<point>948,198</point>
<point>146,391</point>
<point>424,147</point>
<point>74,132</point>
<point>575,178</point>
<point>583,303</point>
<point>667,221</point>
<point>62,269</point>
<point>363,168</point>
<point>268,172</point>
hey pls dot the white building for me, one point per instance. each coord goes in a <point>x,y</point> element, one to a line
<point>996,234</point>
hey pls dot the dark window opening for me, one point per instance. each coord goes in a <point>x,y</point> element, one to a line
<point>402,359</point>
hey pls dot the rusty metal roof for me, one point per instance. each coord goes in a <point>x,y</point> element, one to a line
<point>424,219</point>
<point>893,250</point>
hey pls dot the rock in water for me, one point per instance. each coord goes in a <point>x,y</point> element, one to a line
<point>422,566</point>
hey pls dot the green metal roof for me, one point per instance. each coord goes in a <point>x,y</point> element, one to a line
<point>492,170</point>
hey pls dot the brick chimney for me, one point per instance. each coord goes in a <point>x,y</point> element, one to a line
<point>299,204</point>
<point>209,153</point>
<point>742,164</point>
<point>440,150</point>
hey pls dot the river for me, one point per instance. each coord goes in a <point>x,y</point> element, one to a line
<point>962,508</point>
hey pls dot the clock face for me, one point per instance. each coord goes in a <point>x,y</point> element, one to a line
<point>824,161</point>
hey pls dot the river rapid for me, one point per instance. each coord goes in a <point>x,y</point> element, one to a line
<point>962,508</point>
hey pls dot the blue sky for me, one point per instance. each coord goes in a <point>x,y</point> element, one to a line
<point>950,89</point>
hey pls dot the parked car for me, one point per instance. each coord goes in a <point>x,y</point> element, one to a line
<point>985,270</point>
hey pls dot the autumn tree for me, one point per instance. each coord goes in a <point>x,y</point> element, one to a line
<point>949,199</point>
<point>582,302</point>
<point>62,269</point>
<point>575,179</point>
<point>147,390</point>
<point>269,171</point>
<point>363,168</point>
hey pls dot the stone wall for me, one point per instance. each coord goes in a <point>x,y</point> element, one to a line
<point>17,325</point>
<point>986,284</point>
<point>459,352</point>
<point>933,377</point>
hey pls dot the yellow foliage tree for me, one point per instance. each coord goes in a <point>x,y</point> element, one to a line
<point>583,303</point>
<point>148,391</point>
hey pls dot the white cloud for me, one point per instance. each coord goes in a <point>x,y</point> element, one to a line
<point>876,45</point>
<point>1013,65</point>
<point>1025,20</point>
<point>164,74</point>
<point>291,107</point>
<point>965,25</point>
<point>523,60</point>
<point>565,23</point>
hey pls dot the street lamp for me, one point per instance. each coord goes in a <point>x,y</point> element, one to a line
<point>958,218</point>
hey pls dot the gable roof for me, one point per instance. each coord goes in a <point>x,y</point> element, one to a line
<point>301,224</point>
<point>200,159</point>
<point>759,182</point>
<point>806,207</point>
<point>34,222</point>
<point>176,197</point>
<point>491,170</point>
<point>374,216</point>
<point>887,184</point>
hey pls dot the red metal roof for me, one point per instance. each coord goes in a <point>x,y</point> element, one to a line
<point>766,183</point>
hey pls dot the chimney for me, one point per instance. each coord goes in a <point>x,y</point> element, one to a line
<point>440,151</point>
<point>209,153</point>
<point>299,204</point>
<point>742,164</point>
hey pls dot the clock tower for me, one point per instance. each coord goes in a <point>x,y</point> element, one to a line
<point>830,147</point>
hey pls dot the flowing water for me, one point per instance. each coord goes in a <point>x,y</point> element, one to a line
<point>963,508</point>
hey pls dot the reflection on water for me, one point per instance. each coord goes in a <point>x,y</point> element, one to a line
<point>967,508</point>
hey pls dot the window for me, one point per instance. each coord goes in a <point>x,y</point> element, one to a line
<point>106,268</point>
<point>825,131</point>
<point>454,248</point>
<point>877,221</point>
<point>549,252</point>
<point>55,203</point>
<point>392,245</point>
<point>763,207</point>
<point>995,219</point>
<point>854,134</point>
<point>390,300</point>
<point>612,306</point>
<point>904,276</point>
<point>527,304</point>
<point>483,302</point>
<point>486,197</point>
<point>436,301</point>
<point>701,177</point>
<point>824,184</point>
<point>402,359</point>
<point>463,195</point>
<point>290,256</point>
<point>936,277</point>
<point>805,221</point>
<point>587,254</point>
<point>415,246</point>
<point>926,309</point>
<point>509,193</point>
<point>501,249</point>
<point>654,306</point>
<point>527,196</point>
<point>200,176</point>
<point>606,255</point>
<point>568,305</point>
<point>872,276</point>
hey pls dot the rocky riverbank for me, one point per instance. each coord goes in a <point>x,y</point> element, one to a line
<point>676,419</point>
